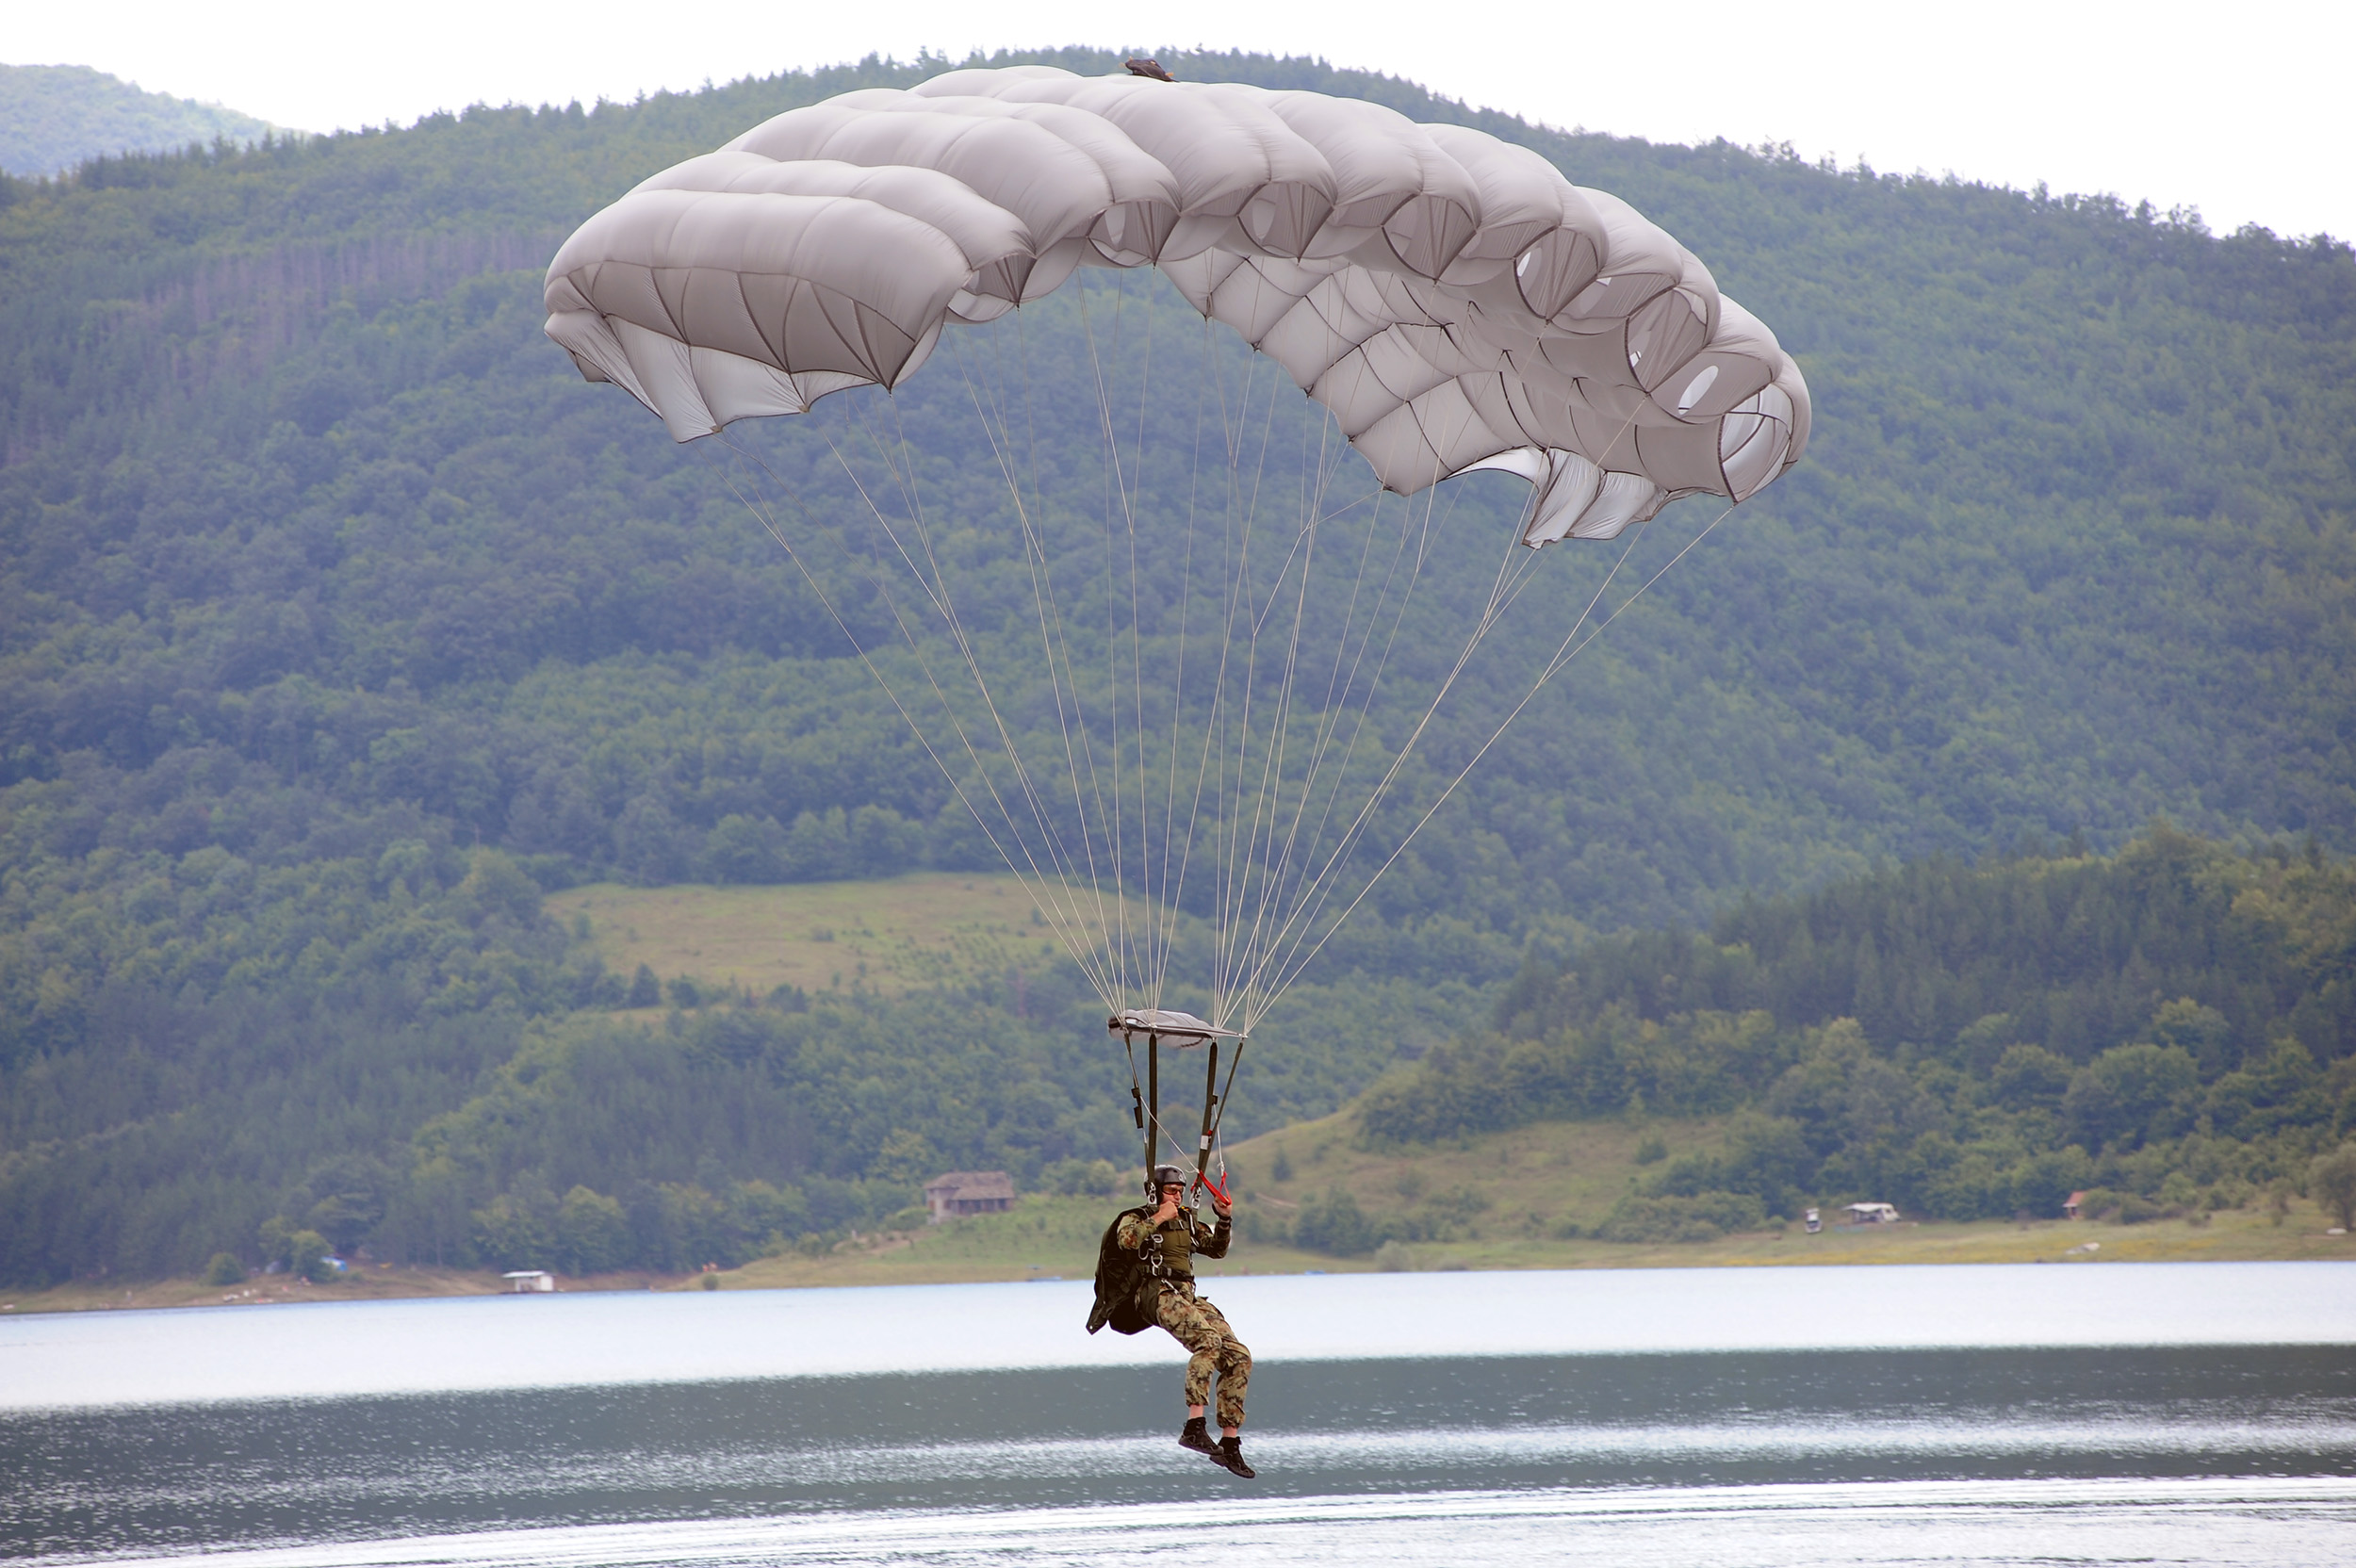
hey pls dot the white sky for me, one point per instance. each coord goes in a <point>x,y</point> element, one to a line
<point>2243,111</point>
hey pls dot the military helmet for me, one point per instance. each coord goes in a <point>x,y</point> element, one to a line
<point>1165,1176</point>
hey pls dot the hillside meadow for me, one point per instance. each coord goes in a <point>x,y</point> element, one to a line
<point>893,935</point>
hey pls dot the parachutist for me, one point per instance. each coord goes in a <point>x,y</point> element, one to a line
<point>1166,1239</point>
<point>807,274</point>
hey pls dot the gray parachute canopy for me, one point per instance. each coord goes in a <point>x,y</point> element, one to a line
<point>1453,299</point>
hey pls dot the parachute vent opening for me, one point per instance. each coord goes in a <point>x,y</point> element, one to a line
<point>1696,389</point>
<point>1427,232</point>
<point>1283,217</point>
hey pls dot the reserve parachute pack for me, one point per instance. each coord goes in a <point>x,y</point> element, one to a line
<point>1125,1288</point>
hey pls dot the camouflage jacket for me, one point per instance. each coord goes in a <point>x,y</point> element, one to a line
<point>1175,1243</point>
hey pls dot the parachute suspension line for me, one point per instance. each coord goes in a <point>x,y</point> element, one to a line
<point>1110,957</point>
<point>1234,836</point>
<point>1407,533</point>
<point>1056,655</point>
<point>1234,564</point>
<point>1071,713</point>
<point>1127,487</point>
<point>1116,927</point>
<point>1511,575</point>
<point>1239,835</point>
<point>1268,807</point>
<point>1058,674</point>
<point>1554,666</point>
<point>1257,874</point>
<point>1149,922</point>
<point>936,588</point>
<point>1253,890</point>
<point>762,515</point>
<point>1277,798</point>
<point>1079,751</point>
<point>1313,905</point>
<point>1279,874</point>
<point>1173,883</point>
<point>1311,899</point>
<point>1302,920</point>
<point>1036,885</point>
<point>1514,574</point>
<point>1530,510</point>
<point>1066,916</point>
<point>1210,1108</point>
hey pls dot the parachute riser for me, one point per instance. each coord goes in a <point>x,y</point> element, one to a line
<point>1210,1104</point>
<point>1188,1031</point>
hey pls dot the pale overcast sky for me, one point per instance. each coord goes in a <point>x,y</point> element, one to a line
<point>2243,111</point>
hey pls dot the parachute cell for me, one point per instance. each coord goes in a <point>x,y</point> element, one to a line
<point>1453,299</point>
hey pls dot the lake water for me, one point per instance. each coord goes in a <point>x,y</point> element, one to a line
<point>2084,1414</point>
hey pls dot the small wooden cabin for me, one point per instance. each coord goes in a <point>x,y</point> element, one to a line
<point>964,1192</point>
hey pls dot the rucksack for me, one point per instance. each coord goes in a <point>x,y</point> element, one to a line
<point>1126,1291</point>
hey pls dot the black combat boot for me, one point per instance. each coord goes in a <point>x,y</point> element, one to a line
<point>1193,1435</point>
<point>1230,1454</point>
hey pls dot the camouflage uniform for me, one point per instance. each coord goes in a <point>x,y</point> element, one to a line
<point>1192,1321</point>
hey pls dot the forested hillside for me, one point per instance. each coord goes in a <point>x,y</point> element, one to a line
<point>53,117</point>
<point>2173,1025</point>
<point>339,620</point>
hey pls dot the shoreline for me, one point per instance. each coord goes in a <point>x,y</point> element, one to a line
<point>1054,1238</point>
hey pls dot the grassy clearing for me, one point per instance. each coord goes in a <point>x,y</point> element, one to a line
<point>1535,1178</point>
<point>1530,1181</point>
<point>1053,1237</point>
<point>892,934</point>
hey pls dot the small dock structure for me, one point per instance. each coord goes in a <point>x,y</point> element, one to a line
<point>964,1192</point>
<point>526,1281</point>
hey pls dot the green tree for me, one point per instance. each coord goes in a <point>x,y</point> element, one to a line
<point>2131,1093</point>
<point>306,1257</point>
<point>2332,1180</point>
<point>592,1234</point>
<point>907,1157</point>
<point>515,1231</point>
<point>2200,1032</point>
<point>1334,1224</point>
<point>2030,1077</point>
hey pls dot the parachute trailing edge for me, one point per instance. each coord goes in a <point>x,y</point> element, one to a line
<point>1452,299</point>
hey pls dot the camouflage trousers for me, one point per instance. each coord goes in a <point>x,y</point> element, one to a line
<point>1197,1325</point>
